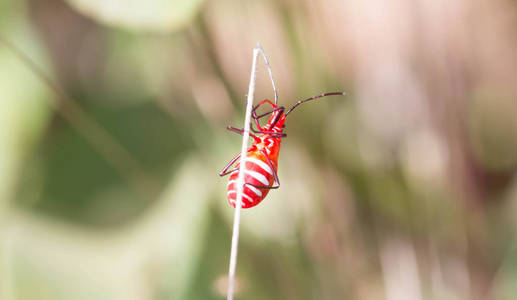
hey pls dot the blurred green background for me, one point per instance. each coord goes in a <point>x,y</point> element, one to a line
<point>112,132</point>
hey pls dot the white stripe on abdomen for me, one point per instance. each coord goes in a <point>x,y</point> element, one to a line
<point>243,195</point>
<point>260,163</point>
<point>254,189</point>
<point>261,178</point>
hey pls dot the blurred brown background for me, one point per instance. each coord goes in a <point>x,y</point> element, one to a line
<point>113,115</point>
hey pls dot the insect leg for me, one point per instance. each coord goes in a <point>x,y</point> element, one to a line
<point>241,132</point>
<point>275,176</point>
<point>267,113</point>
<point>254,114</point>
<point>262,103</point>
<point>225,170</point>
<point>272,133</point>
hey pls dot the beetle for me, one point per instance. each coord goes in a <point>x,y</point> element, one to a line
<point>260,173</point>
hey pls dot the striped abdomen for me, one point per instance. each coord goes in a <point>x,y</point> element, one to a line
<point>259,173</point>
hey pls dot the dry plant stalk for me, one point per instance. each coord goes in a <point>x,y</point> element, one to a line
<point>240,179</point>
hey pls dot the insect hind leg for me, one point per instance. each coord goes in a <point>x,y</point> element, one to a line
<point>276,183</point>
<point>225,171</point>
<point>254,114</point>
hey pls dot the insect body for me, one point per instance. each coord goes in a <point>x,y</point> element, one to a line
<point>260,173</point>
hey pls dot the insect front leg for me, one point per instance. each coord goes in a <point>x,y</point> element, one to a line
<point>254,114</point>
<point>279,111</point>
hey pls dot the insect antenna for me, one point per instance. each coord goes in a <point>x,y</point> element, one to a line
<point>312,98</point>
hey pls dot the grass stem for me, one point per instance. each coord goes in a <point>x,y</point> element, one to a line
<point>240,178</point>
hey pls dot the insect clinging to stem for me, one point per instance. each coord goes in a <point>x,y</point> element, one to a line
<point>260,172</point>
<point>262,156</point>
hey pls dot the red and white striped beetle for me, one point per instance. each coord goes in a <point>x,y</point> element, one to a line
<point>262,157</point>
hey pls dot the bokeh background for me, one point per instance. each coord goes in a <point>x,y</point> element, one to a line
<point>112,132</point>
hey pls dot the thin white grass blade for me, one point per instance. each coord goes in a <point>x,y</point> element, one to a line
<point>240,178</point>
